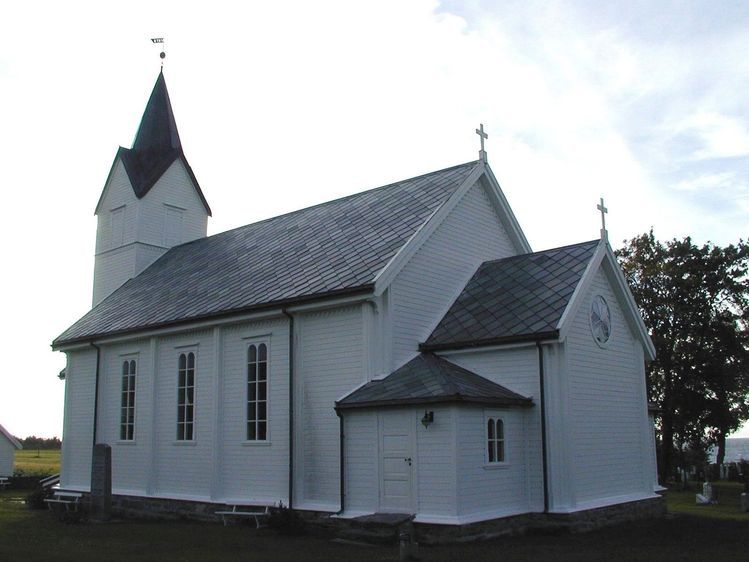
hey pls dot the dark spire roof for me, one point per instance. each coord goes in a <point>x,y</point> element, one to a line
<point>158,129</point>
<point>156,146</point>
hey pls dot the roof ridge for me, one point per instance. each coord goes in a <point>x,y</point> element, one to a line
<point>518,256</point>
<point>330,202</point>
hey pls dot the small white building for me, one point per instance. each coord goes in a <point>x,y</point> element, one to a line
<point>8,447</point>
<point>397,350</point>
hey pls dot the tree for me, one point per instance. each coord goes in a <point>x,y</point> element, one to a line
<point>695,302</point>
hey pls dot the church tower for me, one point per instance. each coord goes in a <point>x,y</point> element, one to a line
<point>151,200</point>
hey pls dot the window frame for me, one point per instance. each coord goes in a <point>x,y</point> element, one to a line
<point>257,420</point>
<point>493,442</point>
<point>128,398</point>
<point>182,422</point>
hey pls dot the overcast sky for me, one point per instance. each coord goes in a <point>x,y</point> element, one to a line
<point>281,105</point>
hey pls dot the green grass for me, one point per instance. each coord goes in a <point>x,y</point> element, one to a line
<point>37,535</point>
<point>728,496</point>
<point>37,462</point>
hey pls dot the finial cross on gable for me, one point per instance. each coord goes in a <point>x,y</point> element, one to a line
<point>601,207</point>
<point>482,135</point>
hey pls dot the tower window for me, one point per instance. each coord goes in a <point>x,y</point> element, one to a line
<point>173,226</point>
<point>117,224</point>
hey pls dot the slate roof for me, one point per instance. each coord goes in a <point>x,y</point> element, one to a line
<point>334,248</point>
<point>428,378</point>
<point>156,146</point>
<point>517,298</point>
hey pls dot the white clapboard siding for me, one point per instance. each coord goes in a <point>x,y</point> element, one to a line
<point>130,458</point>
<point>173,189</point>
<point>329,365</point>
<point>118,193</point>
<point>435,462</point>
<point>430,282</point>
<point>7,456</point>
<point>491,489</point>
<point>184,468</point>
<point>515,368</point>
<point>607,405</point>
<point>78,425</point>
<point>144,235</point>
<point>361,449</point>
<point>254,471</point>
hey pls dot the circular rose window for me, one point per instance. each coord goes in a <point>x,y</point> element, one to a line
<point>600,320</point>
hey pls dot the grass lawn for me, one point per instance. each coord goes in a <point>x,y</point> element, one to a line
<point>37,462</point>
<point>728,494</point>
<point>37,535</point>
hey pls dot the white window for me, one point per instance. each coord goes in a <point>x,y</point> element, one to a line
<point>257,392</point>
<point>186,397</point>
<point>127,401</point>
<point>173,226</point>
<point>117,225</point>
<point>495,440</point>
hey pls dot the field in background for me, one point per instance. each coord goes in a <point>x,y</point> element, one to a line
<point>37,462</point>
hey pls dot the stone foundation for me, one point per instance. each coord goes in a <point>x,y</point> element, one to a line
<point>578,522</point>
<point>384,531</point>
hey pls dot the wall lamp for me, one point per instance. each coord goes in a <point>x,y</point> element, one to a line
<point>428,418</point>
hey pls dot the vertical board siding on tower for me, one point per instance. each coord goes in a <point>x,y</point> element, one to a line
<point>517,370</point>
<point>254,470</point>
<point>605,404</point>
<point>362,450</point>
<point>330,365</point>
<point>184,468</point>
<point>130,459</point>
<point>77,436</point>
<point>491,488</point>
<point>426,287</point>
<point>435,462</point>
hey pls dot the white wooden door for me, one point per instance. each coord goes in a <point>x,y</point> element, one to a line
<point>396,462</point>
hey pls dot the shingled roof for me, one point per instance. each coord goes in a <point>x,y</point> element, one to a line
<point>428,378</point>
<point>330,249</point>
<point>156,146</point>
<point>512,299</point>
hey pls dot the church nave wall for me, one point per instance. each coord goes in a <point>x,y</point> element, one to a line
<point>426,287</point>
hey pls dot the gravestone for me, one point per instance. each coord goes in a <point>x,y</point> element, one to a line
<point>101,482</point>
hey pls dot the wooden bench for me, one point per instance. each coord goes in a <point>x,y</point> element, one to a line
<point>69,501</point>
<point>239,513</point>
<point>4,482</point>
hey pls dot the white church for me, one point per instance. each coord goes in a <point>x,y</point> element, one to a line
<point>400,350</point>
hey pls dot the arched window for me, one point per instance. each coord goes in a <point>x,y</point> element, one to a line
<point>257,392</point>
<point>495,440</point>
<point>127,401</point>
<point>186,397</point>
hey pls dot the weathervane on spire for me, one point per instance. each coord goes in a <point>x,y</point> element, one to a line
<point>604,210</point>
<point>482,135</point>
<point>162,54</point>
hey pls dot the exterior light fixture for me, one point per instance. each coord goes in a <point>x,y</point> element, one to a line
<point>428,418</point>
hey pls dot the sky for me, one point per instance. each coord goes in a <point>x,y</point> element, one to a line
<point>281,105</point>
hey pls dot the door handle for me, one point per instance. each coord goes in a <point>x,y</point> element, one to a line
<point>408,460</point>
